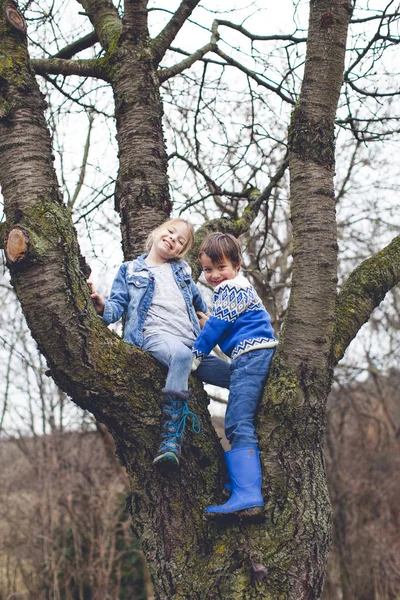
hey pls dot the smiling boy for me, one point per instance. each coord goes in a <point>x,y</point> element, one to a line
<point>241,326</point>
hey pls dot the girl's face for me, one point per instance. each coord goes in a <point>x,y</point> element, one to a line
<point>170,240</point>
<point>216,273</point>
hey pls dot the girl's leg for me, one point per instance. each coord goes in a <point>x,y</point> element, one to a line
<point>248,376</point>
<point>172,353</point>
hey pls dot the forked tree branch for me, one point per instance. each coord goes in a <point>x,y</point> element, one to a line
<point>105,19</point>
<point>363,291</point>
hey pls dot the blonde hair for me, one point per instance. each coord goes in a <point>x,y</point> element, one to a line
<point>185,248</point>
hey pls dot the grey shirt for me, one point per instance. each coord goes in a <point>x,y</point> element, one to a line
<point>168,312</point>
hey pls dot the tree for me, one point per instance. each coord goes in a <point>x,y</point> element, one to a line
<point>189,557</point>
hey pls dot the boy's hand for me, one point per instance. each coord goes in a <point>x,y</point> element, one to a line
<point>97,300</point>
<point>203,317</point>
<point>195,364</point>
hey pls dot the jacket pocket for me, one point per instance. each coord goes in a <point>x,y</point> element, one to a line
<point>138,281</point>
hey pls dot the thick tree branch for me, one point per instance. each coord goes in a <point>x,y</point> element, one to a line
<point>81,68</point>
<point>86,42</point>
<point>309,321</point>
<point>363,291</point>
<point>162,42</point>
<point>135,21</point>
<point>105,19</point>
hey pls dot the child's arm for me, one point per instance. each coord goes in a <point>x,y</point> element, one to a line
<point>229,302</point>
<point>118,301</point>
<point>214,329</point>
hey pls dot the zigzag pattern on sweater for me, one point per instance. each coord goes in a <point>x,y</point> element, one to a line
<point>253,344</point>
<point>230,302</point>
<point>198,354</point>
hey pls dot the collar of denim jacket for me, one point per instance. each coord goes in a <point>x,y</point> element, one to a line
<point>140,265</point>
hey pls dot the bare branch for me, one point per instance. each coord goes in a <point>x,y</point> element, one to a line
<point>86,42</point>
<point>82,173</point>
<point>363,291</point>
<point>266,38</point>
<point>360,55</point>
<point>276,89</point>
<point>165,74</point>
<point>164,39</point>
<point>374,94</point>
<point>206,60</point>
<point>78,101</point>
<point>237,226</point>
<point>82,68</point>
<point>374,18</point>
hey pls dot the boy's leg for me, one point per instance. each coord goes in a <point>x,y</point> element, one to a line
<point>249,373</point>
<point>215,371</point>
<point>172,353</point>
<point>248,376</point>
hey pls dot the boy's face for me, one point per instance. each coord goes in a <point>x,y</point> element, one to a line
<point>216,273</point>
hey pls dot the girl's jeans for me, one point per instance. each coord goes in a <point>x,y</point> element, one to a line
<point>171,352</point>
<point>249,373</point>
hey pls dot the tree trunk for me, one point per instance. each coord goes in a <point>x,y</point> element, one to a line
<point>189,557</point>
<point>142,195</point>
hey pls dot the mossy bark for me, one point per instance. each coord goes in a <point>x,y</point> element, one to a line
<point>365,289</point>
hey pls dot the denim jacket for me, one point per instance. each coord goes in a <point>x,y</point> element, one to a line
<point>132,293</point>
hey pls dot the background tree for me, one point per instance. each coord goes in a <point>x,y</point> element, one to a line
<point>286,557</point>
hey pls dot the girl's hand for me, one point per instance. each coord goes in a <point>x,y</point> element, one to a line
<point>203,318</point>
<point>97,300</point>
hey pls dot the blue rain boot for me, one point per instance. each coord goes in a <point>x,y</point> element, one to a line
<point>244,470</point>
<point>175,411</point>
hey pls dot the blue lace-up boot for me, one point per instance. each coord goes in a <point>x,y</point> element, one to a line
<point>244,470</point>
<point>175,411</point>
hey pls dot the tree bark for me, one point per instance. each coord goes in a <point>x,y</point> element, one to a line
<point>142,195</point>
<point>189,557</point>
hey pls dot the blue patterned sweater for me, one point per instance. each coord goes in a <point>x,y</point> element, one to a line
<point>238,323</point>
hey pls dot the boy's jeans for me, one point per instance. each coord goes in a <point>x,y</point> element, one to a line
<point>249,373</point>
<point>171,352</point>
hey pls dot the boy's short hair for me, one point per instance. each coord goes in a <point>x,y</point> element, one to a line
<point>219,246</point>
<point>190,237</point>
